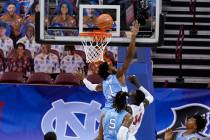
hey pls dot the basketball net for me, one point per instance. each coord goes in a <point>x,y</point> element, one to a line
<point>94,45</point>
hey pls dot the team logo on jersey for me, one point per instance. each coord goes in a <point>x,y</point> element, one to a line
<point>62,118</point>
<point>186,111</point>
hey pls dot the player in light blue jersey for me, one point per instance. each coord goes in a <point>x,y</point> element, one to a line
<point>115,122</point>
<point>113,78</point>
<point>194,125</point>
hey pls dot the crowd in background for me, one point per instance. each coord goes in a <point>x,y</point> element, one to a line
<point>19,51</point>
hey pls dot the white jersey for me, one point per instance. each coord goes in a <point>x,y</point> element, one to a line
<point>137,113</point>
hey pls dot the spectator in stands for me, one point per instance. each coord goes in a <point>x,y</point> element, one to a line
<point>89,18</point>
<point>6,43</point>
<point>64,15</point>
<point>194,125</point>
<point>50,136</point>
<point>34,8</point>
<point>58,48</point>
<point>13,20</point>
<point>72,62</point>
<point>29,40</point>
<point>19,62</point>
<point>46,61</point>
<point>25,6</point>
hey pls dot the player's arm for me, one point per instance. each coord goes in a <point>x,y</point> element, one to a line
<point>88,84</point>
<point>148,96</point>
<point>100,133</point>
<point>91,86</point>
<point>123,131</point>
<point>131,49</point>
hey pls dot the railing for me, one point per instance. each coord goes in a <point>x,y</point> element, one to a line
<point>178,52</point>
<point>192,7</point>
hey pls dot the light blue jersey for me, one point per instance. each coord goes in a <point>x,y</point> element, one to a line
<point>111,86</point>
<point>112,123</point>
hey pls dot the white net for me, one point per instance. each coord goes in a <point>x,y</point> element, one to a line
<point>94,46</point>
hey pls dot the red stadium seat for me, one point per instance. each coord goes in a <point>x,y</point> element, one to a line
<point>81,53</point>
<point>12,77</point>
<point>55,52</point>
<point>39,78</point>
<point>94,78</point>
<point>67,79</point>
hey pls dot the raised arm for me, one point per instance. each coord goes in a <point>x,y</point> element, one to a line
<point>148,96</point>
<point>131,49</point>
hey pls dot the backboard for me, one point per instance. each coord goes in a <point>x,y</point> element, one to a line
<point>56,28</point>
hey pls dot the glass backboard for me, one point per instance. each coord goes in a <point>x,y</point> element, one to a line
<point>61,21</point>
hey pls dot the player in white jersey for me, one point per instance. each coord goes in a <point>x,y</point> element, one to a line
<point>137,101</point>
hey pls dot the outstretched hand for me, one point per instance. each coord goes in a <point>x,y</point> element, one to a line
<point>135,28</point>
<point>133,79</point>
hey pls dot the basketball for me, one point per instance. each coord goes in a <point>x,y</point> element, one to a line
<point>104,22</point>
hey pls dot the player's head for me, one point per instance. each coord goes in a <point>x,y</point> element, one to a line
<point>120,101</point>
<point>50,136</point>
<point>196,123</point>
<point>136,97</point>
<point>105,70</point>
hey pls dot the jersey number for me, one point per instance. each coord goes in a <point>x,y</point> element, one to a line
<point>137,119</point>
<point>112,124</point>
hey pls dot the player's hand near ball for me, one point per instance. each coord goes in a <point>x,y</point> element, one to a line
<point>135,28</point>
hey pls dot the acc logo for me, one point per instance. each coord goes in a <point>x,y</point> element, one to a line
<point>62,115</point>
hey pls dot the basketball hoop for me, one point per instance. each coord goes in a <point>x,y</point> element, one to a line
<point>94,44</point>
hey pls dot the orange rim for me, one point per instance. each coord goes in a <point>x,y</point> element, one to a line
<point>97,35</point>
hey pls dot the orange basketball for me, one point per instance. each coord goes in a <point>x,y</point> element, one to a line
<point>104,22</point>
